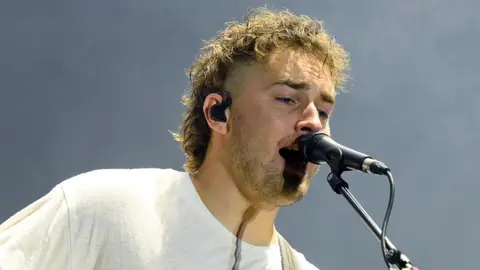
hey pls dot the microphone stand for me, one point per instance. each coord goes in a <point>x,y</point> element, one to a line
<point>393,256</point>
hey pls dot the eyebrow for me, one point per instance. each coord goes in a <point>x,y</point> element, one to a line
<point>297,85</point>
<point>328,97</point>
<point>300,85</point>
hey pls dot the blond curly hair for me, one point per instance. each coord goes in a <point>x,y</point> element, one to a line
<point>262,31</point>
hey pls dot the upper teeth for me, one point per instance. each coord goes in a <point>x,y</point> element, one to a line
<point>293,147</point>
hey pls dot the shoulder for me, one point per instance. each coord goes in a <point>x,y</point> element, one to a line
<point>117,187</point>
<point>107,181</point>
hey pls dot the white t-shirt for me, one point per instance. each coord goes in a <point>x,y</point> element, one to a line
<point>126,219</point>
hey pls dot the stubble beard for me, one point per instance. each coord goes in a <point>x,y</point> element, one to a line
<point>258,178</point>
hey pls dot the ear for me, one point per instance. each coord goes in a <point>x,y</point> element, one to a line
<point>218,126</point>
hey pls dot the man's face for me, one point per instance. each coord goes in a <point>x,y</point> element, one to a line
<point>291,95</point>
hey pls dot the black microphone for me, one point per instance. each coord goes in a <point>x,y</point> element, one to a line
<point>319,147</point>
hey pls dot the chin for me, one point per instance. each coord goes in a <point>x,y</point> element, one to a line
<point>294,190</point>
<point>296,184</point>
<point>287,186</point>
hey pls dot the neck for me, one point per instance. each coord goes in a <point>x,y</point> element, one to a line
<point>219,193</point>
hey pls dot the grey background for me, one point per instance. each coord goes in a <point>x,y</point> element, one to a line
<point>97,84</point>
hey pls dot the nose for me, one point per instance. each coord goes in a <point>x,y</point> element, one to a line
<point>310,122</point>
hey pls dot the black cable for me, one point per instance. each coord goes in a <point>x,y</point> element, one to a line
<point>249,215</point>
<point>237,251</point>
<point>387,217</point>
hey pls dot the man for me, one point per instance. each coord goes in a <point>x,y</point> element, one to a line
<point>255,88</point>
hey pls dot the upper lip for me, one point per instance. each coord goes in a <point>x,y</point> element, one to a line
<point>293,144</point>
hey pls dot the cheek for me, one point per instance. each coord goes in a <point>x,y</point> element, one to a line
<point>326,129</point>
<point>266,126</point>
<point>264,122</point>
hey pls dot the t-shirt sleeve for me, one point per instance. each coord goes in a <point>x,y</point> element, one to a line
<point>38,236</point>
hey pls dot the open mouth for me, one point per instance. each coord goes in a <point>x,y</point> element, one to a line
<point>294,161</point>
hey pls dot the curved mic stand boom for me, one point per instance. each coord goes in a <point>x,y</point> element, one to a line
<point>392,256</point>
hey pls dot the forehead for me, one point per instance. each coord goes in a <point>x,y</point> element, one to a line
<point>301,67</point>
